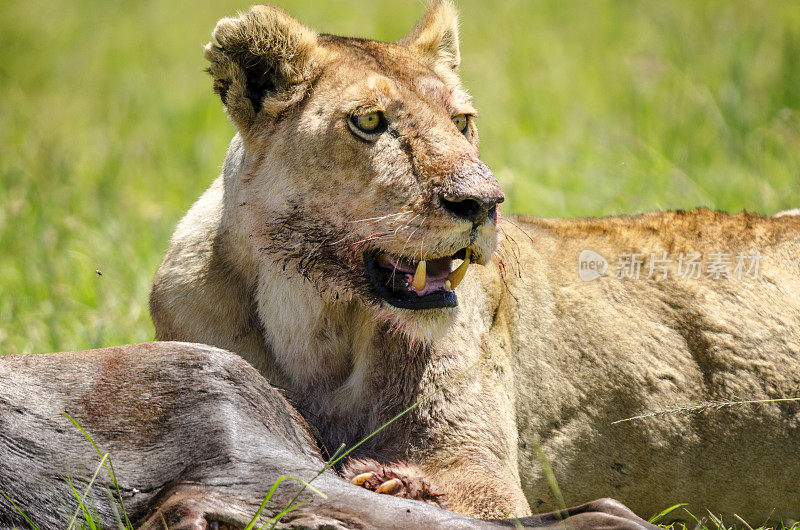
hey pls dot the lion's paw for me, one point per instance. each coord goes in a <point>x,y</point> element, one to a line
<point>400,479</point>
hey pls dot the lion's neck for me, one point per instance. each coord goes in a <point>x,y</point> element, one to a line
<point>314,342</point>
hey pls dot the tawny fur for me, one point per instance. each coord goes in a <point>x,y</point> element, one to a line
<point>268,263</point>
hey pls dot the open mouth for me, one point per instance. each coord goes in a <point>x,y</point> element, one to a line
<point>426,284</point>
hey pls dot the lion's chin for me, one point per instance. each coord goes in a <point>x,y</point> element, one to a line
<point>418,325</point>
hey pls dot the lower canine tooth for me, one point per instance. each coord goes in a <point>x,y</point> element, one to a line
<point>457,275</point>
<point>419,276</point>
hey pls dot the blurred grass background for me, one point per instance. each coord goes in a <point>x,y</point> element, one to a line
<point>109,129</point>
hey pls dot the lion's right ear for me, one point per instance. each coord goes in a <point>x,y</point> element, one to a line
<point>258,62</point>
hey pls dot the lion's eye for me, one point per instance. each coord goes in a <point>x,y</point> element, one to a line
<point>371,123</point>
<point>461,122</point>
<point>368,122</point>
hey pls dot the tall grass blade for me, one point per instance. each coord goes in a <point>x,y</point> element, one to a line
<point>551,477</point>
<point>109,468</point>
<point>113,503</point>
<point>700,526</point>
<point>82,499</point>
<point>769,517</point>
<point>271,492</point>
<point>743,522</point>
<point>716,520</point>
<point>275,520</point>
<point>14,504</point>
<point>702,406</point>
<point>80,507</point>
<point>656,518</point>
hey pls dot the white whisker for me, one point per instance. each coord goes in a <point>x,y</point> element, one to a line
<point>403,250</point>
<point>376,219</point>
<point>406,225</point>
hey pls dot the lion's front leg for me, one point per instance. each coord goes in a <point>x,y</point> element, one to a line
<point>483,490</point>
<point>468,489</point>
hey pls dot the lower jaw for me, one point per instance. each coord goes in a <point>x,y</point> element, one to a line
<point>405,299</point>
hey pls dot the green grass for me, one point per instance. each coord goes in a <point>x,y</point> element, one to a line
<point>109,129</point>
<point>709,521</point>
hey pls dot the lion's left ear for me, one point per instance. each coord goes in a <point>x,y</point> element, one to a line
<point>435,37</point>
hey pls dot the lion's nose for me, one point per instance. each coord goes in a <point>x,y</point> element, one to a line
<point>473,208</point>
<point>471,192</point>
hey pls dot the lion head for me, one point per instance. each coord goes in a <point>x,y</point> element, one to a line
<point>358,169</point>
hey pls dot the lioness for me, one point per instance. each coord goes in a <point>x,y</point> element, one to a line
<point>352,250</point>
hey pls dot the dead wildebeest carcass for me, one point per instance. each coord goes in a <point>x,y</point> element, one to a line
<point>196,438</point>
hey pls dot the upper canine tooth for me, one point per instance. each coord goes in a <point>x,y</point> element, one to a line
<point>419,276</point>
<point>457,275</point>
